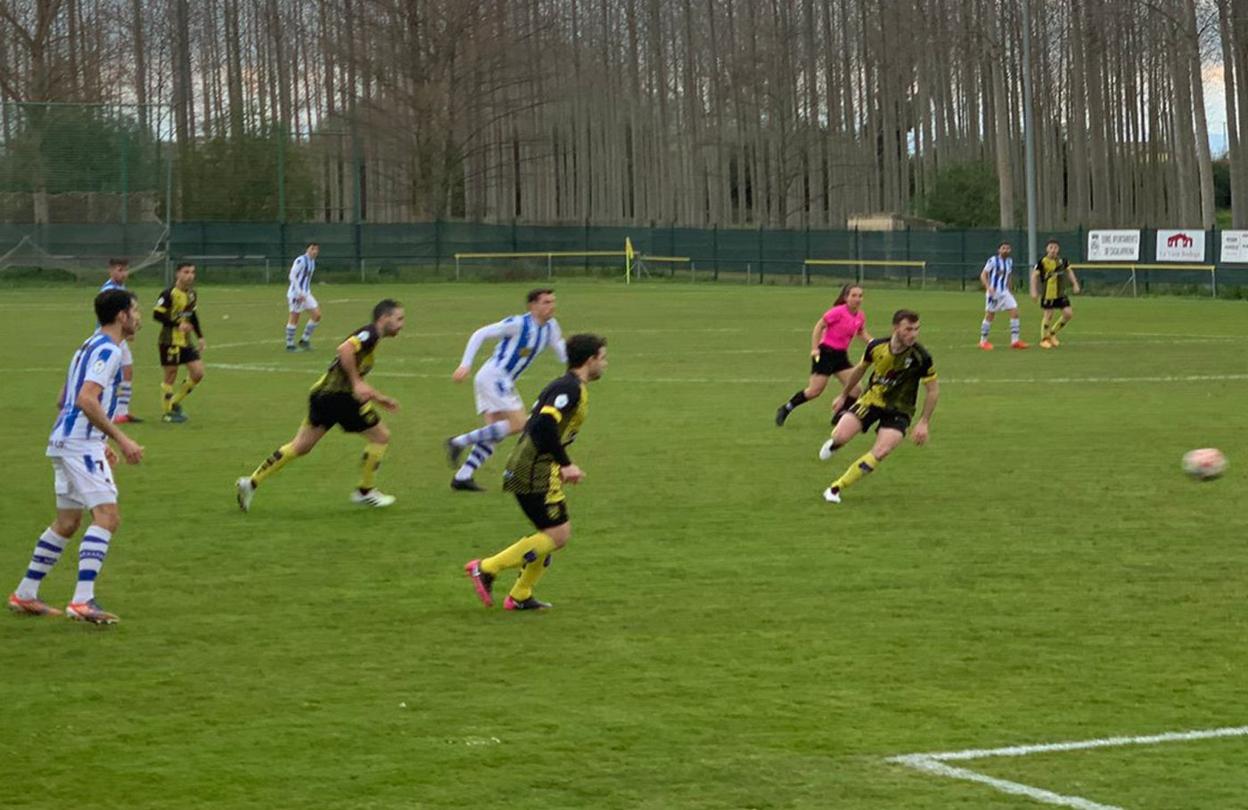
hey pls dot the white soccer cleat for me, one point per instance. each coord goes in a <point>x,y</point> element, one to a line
<point>374,498</point>
<point>827,450</point>
<point>830,496</point>
<point>246,491</point>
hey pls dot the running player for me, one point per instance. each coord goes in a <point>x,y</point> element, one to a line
<point>535,474</point>
<point>299,298</point>
<point>118,274</point>
<point>829,348</point>
<point>175,309</point>
<point>341,397</point>
<point>996,280</point>
<point>520,339</point>
<point>82,463</point>
<point>897,364</point>
<point>1048,286</point>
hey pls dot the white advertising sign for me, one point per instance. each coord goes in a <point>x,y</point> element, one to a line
<point>1113,246</point>
<point>1180,245</point>
<point>1235,247</point>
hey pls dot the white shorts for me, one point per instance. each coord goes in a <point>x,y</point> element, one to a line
<point>79,486</point>
<point>1001,302</point>
<point>495,392</point>
<point>308,303</point>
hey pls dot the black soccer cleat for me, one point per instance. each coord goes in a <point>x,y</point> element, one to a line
<point>532,603</point>
<point>466,486</point>
<point>290,347</point>
<point>453,453</point>
<point>305,345</point>
<point>782,413</point>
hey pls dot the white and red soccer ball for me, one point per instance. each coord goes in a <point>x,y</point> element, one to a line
<point>1204,464</point>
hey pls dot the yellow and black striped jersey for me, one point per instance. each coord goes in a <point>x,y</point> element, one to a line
<point>534,463</point>
<point>172,308</point>
<point>1052,277</point>
<point>895,378</point>
<point>335,380</point>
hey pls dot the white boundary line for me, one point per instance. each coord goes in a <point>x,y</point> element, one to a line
<point>934,763</point>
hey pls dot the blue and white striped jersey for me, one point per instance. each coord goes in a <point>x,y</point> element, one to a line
<point>112,285</point>
<point>98,360</point>
<point>520,339</point>
<point>301,276</point>
<point>998,270</point>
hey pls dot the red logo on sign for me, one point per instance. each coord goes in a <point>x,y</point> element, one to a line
<point>1179,240</point>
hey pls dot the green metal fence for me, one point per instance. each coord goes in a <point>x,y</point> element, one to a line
<point>256,252</point>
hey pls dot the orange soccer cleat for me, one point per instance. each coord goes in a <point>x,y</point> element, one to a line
<point>31,607</point>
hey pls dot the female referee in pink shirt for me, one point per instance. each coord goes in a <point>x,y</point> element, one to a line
<point>829,349</point>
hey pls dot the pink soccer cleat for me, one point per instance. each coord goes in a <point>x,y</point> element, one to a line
<point>482,581</point>
<point>31,607</point>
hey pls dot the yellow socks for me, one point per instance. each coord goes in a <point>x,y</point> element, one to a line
<point>1058,326</point>
<point>166,397</point>
<point>525,550</point>
<point>532,572</point>
<point>373,453</point>
<point>865,464</point>
<point>273,463</point>
<point>183,392</point>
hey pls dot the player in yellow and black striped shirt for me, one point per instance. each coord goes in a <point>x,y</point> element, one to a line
<point>175,311</point>
<point>341,397</point>
<point>536,472</point>
<point>1048,286</point>
<point>898,365</point>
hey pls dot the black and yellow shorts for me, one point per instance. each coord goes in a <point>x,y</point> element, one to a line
<point>830,361</point>
<point>880,417</point>
<point>543,509</point>
<point>171,355</point>
<point>1054,303</point>
<point>342,409</point>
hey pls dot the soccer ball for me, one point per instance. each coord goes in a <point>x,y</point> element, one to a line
<point>1204,464</point>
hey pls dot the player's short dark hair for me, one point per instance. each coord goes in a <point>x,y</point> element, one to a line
<point>538,293</point>
<point>118,262</point>
<point>312,245</point>
<point>583,347</point>
<point>1003,244</point>
<point>1052,242</point>
<point>178,269</point>
<point>384,307</point>
<point>111,303</point>
<point>905,315</point>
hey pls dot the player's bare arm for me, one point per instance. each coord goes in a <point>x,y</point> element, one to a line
<point>816,337</point>
<point>854,378</point>
<point>88,402</point>
<point>1074,281</point>
<point>931,395</point>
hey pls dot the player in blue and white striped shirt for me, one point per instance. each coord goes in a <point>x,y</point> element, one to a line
<point>82,463</point>
<point>300,299</point>
<point>520,339</point>
<point>118,275</point>
<point>996,280</point>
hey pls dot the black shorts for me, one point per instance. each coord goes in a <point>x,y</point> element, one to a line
<point>177,355</point>
<point>342,409</point>
<point>880,417</point>
<point>1054,303</point>
<point>830,361</point>
<point>542,513</point>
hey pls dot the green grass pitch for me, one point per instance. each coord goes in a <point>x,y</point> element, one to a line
<point>722,638</point>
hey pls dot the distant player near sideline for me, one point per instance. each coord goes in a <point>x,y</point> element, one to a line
<point>1048,286</point>
<point>520,339</point>
<point>82,463</point>
<point>536,472</point>
<point>898,364</point>
<point>341,397</point>
<point>998,298</point>
<point>299,298</point>
<point>829,348</point>
<point>118,275</point>
<point>175,310</point>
